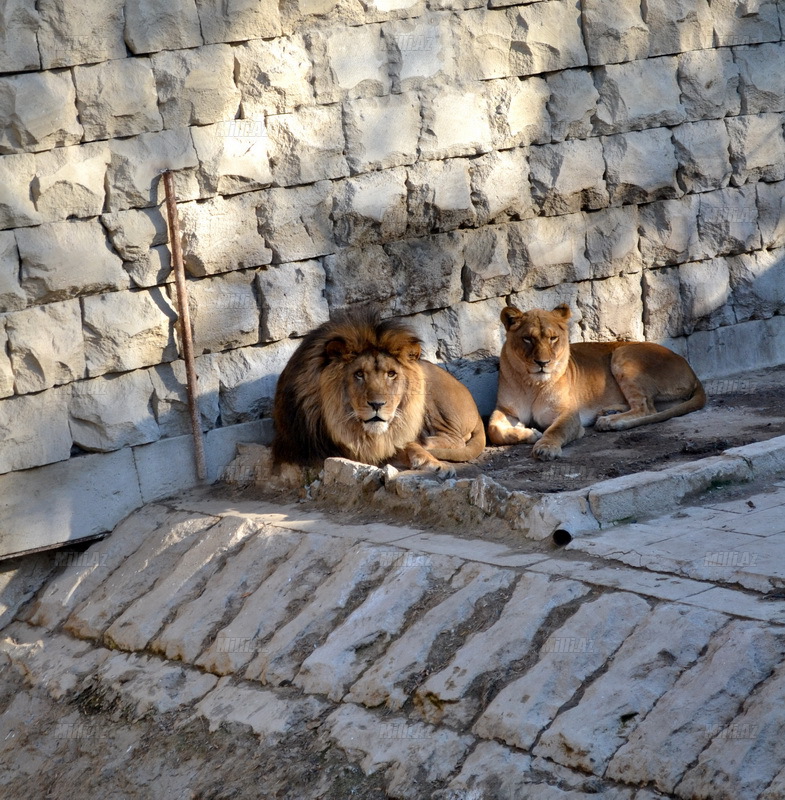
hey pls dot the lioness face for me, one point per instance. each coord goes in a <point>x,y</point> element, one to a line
<point>375,385</point>
<point>540,340</point>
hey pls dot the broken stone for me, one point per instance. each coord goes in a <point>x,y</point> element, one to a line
<point>521,111</point>
<point>12,297</point>
<point>500,186</point>
<point>439,196</point>
<point>19,25</point>
<point>614,34</point>
<point>150,27</point>
<point>757,148</point>
<point>17,173</point>
<point>702,153</point>
<point>573,103</point>
<point>135,234</point>
<point>709,82</point>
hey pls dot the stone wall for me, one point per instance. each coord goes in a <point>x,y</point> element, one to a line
<point>438,158</point>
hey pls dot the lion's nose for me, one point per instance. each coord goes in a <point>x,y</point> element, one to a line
<point>375,405</point>
<point>542,363</point>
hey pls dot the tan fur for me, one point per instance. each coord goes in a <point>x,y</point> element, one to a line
<point>549,389</point>
<point>357,388</point>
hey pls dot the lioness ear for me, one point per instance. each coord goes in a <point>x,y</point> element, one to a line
<point>509,316</point>
<point>336,349</point>
<point>563,310</point>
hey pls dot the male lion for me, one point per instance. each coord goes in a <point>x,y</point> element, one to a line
<point>560,387</point>
<point>356,387</point>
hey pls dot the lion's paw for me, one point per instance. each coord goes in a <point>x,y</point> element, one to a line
<point>444,472</point>
<point>546,451</point>
<point>606,423</point>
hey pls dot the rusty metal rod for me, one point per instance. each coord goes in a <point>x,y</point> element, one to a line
<point>184,319</point>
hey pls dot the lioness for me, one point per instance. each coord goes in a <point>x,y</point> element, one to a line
<point>357,388</point>
<point>559,387</point>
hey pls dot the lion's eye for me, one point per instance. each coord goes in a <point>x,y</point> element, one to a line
<point>359,374</point>
<point>554,338</point>
<point>527,340</point>
<point>392,374</point>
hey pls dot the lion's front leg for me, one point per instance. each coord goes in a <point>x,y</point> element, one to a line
<point>506,429</point>
<point>417,457</point>
<point>564,429</point>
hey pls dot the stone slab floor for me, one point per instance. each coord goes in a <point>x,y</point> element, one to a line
<point>217,648</point>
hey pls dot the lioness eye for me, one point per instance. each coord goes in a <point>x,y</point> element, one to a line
<point>359,374</point>
<point>527,340</point>
<point>392,374</point>
<point>554,338</point>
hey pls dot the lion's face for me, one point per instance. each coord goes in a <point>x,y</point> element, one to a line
<point>540,340</point>
<point>375,384</point>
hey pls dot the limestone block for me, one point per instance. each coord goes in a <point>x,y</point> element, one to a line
<point>113,411</point>
<point>663,316</point>
<point>151,26</point>
<point>238,20</point>
<point>83,34</point>
<point>709,81</point>
<point>196,87</point>
<point>384,8</point>
<point>274,75</point>
<point>705,292</point>
<point>440,196</point>
<point>66,259</point>
<point>12,297</point>
<point>757,281</point>
<point>307,145</point>
<point>233,156</point>
<point>456,122</point>
<point>757,148</point>
<point>19,24</point>
<point>292,299</point>
<point>486,270</point>
<point>612,241</point>
<point>371,207</point>
<point>354,63</point>
<point>170,398</point>
<point>117,98</point>
<point>546,37</point>
<point>221,235</point>
<point>573,104</point>
<point>70,181</point>
<point>16,205</point>
<point>521,111</point>
<point>360,275</point>
<point>677,26</point>
<point>702,152</point>
<point>641,166</point>
<point>771,213</point>
<point>382,132</point>
<point>134,178</point>
<point>568,176</point>
<point>6,373</point>
<point>49,122</point>
<point>45,345</point>
<point>483,38</point>
<point>470,330</point>
<point>135,234</point>
<point>500,186</point>
<point>546,251</point>
<point>295,223</point>
<point>745,22</point>
<point>614,33</point>
<point>761,89</point>
<point>669,232</point>
<point>34,430</point>
<point>728,221</point>
<point>127,330</point>
<point>420,50</point>
<point>614,310</point>
<point>638,95</point>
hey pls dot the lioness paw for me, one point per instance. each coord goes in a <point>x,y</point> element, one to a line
<point>546,451</point>
<point>606,423</point>
<point>514,435</point>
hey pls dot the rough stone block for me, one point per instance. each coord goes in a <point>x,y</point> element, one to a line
<point>420,51</point>
<point>483,38</point>
<point>573,103</point>
<point>90,33</point>
<point>614,312</point>
<point>12,297</point>
<point>614,33</point>
<point>709,81</point>
<point>274,75</point>
<point>500,186</point>
<point>233,156</point>
<point>49,122</point>
<point>117,98</point>
<point>221,235</point>
<point>641,166</point>
<point>135,236</point>
<point>771,213</point>
<point>127,330</point>
<point>745,23</point>
<point>295,223</point>
<point>702,152</point>
<point>134,173</point>
<point>292,299</point>
<point>612,241</point>
<point>16,205</point>
<point>521,111</point>
<point>196,87</point>
<point>486,270</point>
<point>239,20</point>
<point>19,24</point>
<point>66,259</point>
<point>662,305</point>
<point>307,145</point>
<point>70,181</point>
<point>757,148</point>
<point>371,208</point>
<point>456,122</point>
<point>6,373</point>
<point>727,222</point>
<point>34,430</point>
<point>224,312</point>
<point>705,292</point>
<point>568,176</point>
<point>669,232</point>
<point>469,330</point>
<point>638,95</point>
<point>111,412</point>
<point>45,345</point>
<point>170,397</point>
<point>382,132</point>
<point>757,281</point>
<point>439,196</point>
<point>150,26</point>
<point>677,26</point>
<point>761,90</point>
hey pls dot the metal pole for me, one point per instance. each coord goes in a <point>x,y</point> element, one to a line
<point>184,319</point>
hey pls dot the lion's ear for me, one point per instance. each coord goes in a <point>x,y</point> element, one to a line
<point>509,316</point>
<point>409,350</point>
<point>336,349</point>
<point>563,310</point>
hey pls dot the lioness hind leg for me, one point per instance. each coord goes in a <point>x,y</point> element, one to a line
<point>505,429</point>
<point>417,457</point>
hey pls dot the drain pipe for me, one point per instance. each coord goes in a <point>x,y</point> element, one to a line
<point>184,319</point>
